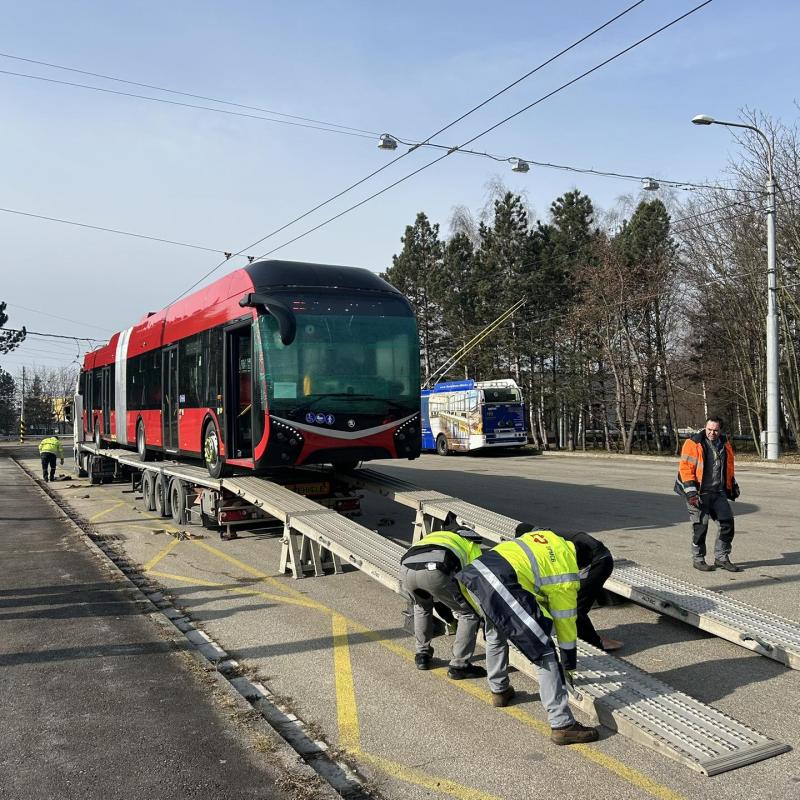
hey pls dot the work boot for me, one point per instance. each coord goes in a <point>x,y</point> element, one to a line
<point>700,563</point>
<point>467,671</point>
<point>502,699</point>
<point>574,734</point>
<point>726,563</point>
<point>423,661</point>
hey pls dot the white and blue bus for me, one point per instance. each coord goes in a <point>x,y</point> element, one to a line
<point>460,416</point>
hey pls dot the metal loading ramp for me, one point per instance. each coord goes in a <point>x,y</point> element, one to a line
<point>753,628</point>
<point>636,705</point>
<point>761,631</point>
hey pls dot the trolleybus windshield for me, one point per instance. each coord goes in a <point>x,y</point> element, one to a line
<point>352,355</point>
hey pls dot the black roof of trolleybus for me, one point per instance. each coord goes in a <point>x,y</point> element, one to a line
<point>275,274</point>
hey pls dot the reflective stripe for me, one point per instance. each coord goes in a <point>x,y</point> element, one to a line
<point>584,573</point>
<point>524,617</point>
<point>537,578</point>
<point>564,613</point>
<point>564,577</point>
<point>573,645</point>
<point>690,459</point>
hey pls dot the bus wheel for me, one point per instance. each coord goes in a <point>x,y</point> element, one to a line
<point>148,491</point>
<point>441,445</point>
<point>141,444</point>
<point>214,461</point>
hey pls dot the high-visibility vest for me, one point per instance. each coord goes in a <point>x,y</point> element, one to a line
<point>690,468</point>
<point>433,549</point>
<point>51,445</point>
<point>528,587</point>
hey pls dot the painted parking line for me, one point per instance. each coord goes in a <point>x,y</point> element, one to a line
<point>616,767</point>
<point>97,516</point>
<point>165,551</point>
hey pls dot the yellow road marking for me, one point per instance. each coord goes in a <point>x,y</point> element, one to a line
<point>278,598</point>
<point>431,782</point>
<point>264,577</point>
<point>614,766</point>
<point>97,516</point>
<point>165,551</point>
<point>346,708</point>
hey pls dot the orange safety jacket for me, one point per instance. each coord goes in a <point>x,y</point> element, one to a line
<point>690,469</point>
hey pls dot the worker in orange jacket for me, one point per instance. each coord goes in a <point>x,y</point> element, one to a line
<point>707,481</point>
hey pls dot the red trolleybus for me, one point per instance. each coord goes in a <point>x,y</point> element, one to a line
<point>277,364</point>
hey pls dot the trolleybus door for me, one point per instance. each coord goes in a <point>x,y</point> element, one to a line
<point>106,400</point>
<point>239,391</point>
<point>169,403</point>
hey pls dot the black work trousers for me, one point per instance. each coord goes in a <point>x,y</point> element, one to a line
<point>49,460</point>
<point>713,505</point>
<point>591,585</point>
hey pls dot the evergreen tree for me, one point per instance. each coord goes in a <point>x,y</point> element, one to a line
<point>9,340</point>
<point>8,408</point>
<point>412,272</point>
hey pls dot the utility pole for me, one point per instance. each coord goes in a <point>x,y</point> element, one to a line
<point>772,449</point>
<point>22,410</point>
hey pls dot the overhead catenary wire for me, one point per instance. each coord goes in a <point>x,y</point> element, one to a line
<point>110,230</point>
<point>372,174</point>
<point>536,102</point>
<point>55,316</point>
<point>185,94</point>
<point>186,105</point>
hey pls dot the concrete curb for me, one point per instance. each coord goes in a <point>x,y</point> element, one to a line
<point>295,748</point>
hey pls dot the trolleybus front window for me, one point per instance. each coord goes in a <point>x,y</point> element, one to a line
<point>353,356</point>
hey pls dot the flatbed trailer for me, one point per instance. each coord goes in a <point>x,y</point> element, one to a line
<point>188,494</point>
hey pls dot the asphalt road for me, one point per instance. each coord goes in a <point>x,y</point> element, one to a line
<point>334,648</point>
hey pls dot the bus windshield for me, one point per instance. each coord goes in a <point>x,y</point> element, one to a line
<point>501,395</point>
<point>352,354</point>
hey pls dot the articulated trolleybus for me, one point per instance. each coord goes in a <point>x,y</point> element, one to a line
<point>277,364</point>
<point>468,415</point>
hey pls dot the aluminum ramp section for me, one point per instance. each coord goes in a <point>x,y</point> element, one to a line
<point>636,705</point>
<point>758,630</point>
<point>304,519</point>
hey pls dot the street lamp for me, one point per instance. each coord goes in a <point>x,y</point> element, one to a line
<point>773,409</point>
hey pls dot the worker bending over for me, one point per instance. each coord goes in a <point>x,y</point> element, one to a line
<point>49,450</point>
<point>525,588</point>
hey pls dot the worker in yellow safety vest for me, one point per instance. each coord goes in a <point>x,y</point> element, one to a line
<point>50,449</point>
<point>527,588</point>
<point>427,573</point>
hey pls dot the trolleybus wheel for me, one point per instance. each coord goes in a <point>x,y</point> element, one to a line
<point>441,445</point>
<point>163,508</point>
<point>177,500</point>
<point>215,464</point>
<point>148,491</point>
<point>141,444</point>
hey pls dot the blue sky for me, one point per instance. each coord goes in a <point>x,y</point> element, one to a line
<point>223,181</point>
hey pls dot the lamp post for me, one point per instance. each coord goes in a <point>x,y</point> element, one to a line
<point>773,408</point>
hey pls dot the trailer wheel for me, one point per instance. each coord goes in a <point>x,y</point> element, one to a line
<point>215,464</point>
<point>441,445</point>
<point>161,497</point>
<point>94,472</point>
<point>141,444</point>
<point>148,491</point>
<point>177,500</point>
